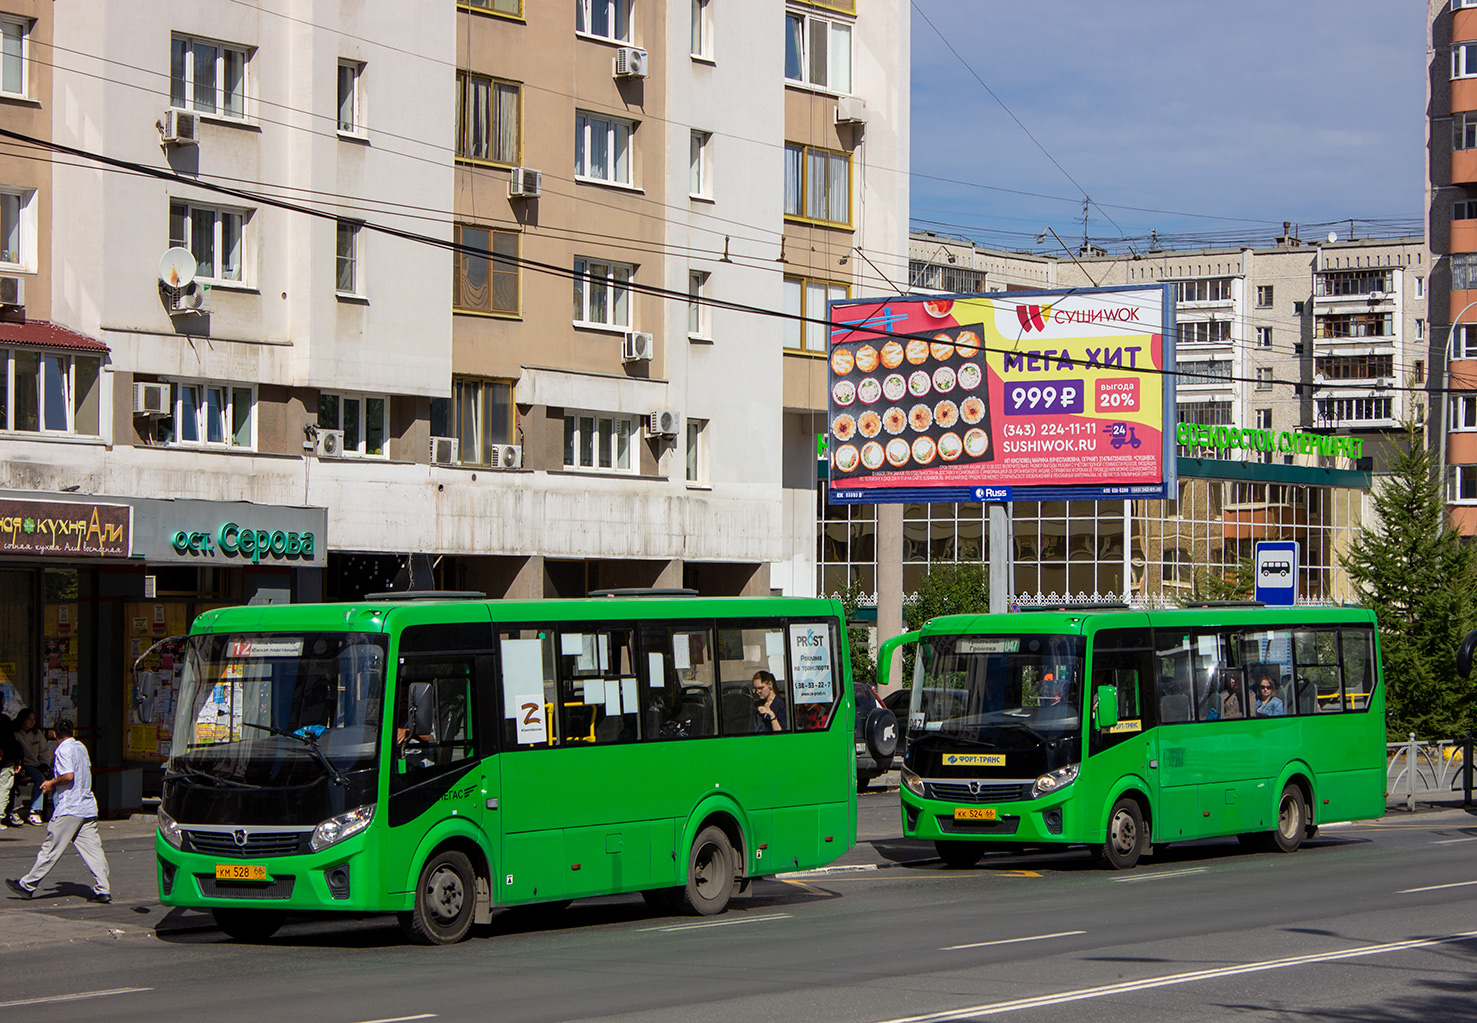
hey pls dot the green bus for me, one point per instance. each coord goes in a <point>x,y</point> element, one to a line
<point>440,757</point>
<point>1121,730</point>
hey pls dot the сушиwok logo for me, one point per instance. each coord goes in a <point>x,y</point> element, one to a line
<point>1033,317</point>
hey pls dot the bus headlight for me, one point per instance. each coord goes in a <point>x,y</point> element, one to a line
<point>912,782</point>
<point>1051,781</point>
<point>345,825</point>
<point>170,830</point>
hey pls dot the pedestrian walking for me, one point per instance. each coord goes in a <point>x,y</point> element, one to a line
<point>73,819</point>
<point>11,756</point>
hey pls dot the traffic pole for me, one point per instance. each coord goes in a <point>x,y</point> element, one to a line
<point>1410,773</point>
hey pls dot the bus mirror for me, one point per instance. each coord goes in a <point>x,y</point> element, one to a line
<point>884,655</point>
<point>1107,706</point>
<point>1464,654</point>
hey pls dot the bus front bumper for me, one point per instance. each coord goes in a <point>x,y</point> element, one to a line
<point>1044,821</point>
<point>342,877</point>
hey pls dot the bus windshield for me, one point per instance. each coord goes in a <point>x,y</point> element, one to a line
<point>279,710</point>
<point>1000,691</point>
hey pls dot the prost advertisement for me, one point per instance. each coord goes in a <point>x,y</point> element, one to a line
<point>1016,396</point>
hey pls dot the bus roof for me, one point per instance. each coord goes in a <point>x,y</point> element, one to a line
<point>377,615</point>
<point>1073,621</point>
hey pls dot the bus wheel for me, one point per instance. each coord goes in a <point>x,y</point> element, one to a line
<point>249,924</point>
<point>1126,836</point>
<point>1292,820</point>
<point>959,855</point>
<point>445,901</point>
<point>710,873</point>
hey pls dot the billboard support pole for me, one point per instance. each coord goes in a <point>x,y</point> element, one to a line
<point>999,558</point>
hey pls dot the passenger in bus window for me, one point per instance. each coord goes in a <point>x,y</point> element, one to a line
<point>1231,695</point>
<point>769,706</point>
<point>1269,703</point>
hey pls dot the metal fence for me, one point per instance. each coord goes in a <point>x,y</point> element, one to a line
<point>1429,770</point>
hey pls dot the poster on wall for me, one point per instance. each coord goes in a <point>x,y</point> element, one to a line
<point>59,664</point>
<point>1016,396</point>
<point>151,684</point>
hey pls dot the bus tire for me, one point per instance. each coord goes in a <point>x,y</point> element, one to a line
<point>710,873</point>
<point>1292,820</point>
<point>1126,837</point>
<point>248,924</point>
<point>445,900</point>
<point>958,854</point>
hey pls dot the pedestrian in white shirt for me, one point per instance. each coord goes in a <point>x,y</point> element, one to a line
<point>73,819</point>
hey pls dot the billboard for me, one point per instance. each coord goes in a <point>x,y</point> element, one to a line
<point>1028,396</point>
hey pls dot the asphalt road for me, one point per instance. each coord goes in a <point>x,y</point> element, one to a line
<point>1369,922</point>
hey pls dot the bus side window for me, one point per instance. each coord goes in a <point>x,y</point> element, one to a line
<point>1358,650</point>
<point>1123,658</point>
<point>598,691</point>
<point>741,653</point>
<point>526,659</point>
<point>1172,652</point>
<point>682,702</point>
<point>1317,682</point>
<point>1267,654</point>
<point>435,722</point>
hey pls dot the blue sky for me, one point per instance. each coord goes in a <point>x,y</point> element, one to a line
<point>1250,113</point>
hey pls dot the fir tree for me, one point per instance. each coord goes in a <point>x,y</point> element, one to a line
<point>1412,569</point>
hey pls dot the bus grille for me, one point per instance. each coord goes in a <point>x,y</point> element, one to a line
<point>278,888</point>
<point>958,792</point>
<point>259,843</point>
<point>1004,826</point>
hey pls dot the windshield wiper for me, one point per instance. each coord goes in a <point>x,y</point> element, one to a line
<point>308,741</point>
<point>214,779</point>
<point>1038,736</point>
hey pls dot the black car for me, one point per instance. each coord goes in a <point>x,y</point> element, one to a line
<point>876,736</point>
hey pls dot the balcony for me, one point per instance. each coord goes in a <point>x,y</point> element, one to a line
<point>1463,167</point>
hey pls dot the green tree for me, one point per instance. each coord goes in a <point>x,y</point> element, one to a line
<point>947,589</point>
<point>858,637</point>
<point>1412,569</point>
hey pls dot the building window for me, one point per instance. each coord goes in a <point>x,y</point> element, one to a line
<point>1264,337</point>
<point>213,236</point>
<point>1355,325</point>
<point>1418,370</point>
<point>346,259</point>
<point>1464,210</point>
<point>604,19</point>
<point>602,148</point>
<point>486,273</point>
<point>1464,412</point>
<point>1205,371</point>
<point>49,392</point>
<point>598,441</point>
<point>699,176</point>
<point>207,77</point>
<point>1463,60</point>
<point>1354,367</point>
<point>1263,419</point>
<point>1264,378</point>
<point>1264,296</point>
<point>349,118</point>
<point>1353,282</point>
<point>697,309</point>
<point>18,229</point>
<point>1464,130</point>
<point>602,293</point>
<point>1461,484</point>
<point>210,414</point>
<point>697,462</point>
<point>484,416</point>
<point>513,7</point>
<point>806,300</point>
<point>487,119</point>
<point>1354,410</point>
<point>702,29</point>
<point>1216,289</point>
<point>1464,341</point>
<point>364,420</point>
<point>817,184</point>
<point>955,280</point>
<point>817,51</point>
<point>1420,287</point>
<point>1205,332</point>
<point>15,44</point>
<point>1420,329</point>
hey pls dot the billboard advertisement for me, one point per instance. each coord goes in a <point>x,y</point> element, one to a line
<point>1064,395</point>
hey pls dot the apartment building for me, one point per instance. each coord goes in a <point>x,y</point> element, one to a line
<point>315,332</point>
<point>1315,339</point>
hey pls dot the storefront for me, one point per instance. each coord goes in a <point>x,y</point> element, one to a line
<point>89,586</point>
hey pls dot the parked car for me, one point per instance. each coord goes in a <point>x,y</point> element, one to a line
<point>876,736</point>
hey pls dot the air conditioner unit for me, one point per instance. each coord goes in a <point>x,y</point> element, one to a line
<point>13,291</point>
<point>505,456</point>
<point>151,400</point>
<point>525,183</point>
<point>1377,296</point>
<point>192,298</point>
<point>630,62</point>
<point>180,128</point>
<point>329,444</point>
<point>638,346</point>
<point>445,450</point>
<point>664,422</point>
<point>851,110</point>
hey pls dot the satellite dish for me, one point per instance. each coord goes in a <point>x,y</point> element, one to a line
<point>1333,236</point>
<point>177,268</point>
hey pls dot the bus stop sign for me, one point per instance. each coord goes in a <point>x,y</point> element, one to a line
<point>1277,571</point>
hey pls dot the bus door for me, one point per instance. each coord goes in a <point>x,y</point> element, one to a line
<point>1123,658</point>
<point>532,853</point>
<point>438,765</point>
<point>1176,759</point>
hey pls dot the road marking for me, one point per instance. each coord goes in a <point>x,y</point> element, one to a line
<point>1011,941</point>
<point>74,997</point>
<point>719,923</point>
<point>401,1019</point>
<point>1452,841</point>
<point>1155,877</point>
<point>1149,983</point>
<point>809,888</point>
<point>1017,873</point>
<point>1435,887</point>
